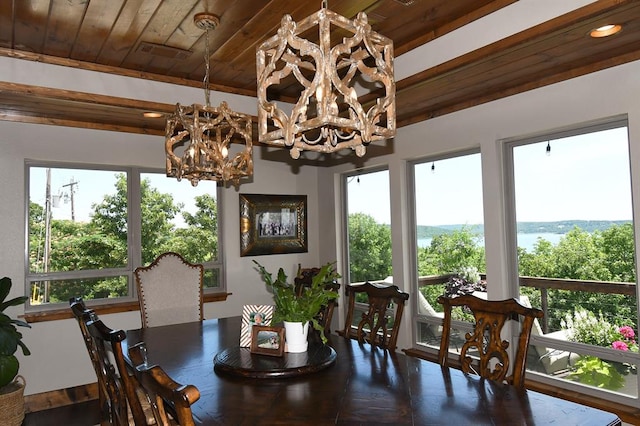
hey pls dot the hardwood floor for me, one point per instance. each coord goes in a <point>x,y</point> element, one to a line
<point>81,414</point>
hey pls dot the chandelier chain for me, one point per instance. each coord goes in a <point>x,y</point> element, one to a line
<point>206,68</point>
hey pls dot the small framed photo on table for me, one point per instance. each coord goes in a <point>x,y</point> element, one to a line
<point>267,340</point>
<point>253,315</point>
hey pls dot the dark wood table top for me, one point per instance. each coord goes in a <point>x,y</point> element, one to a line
<point>364,386</point>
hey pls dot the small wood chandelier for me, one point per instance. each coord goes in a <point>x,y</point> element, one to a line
<point>199,138</point>
<point>328,115</point>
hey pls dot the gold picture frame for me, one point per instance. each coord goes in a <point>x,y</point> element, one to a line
<point>267,340</point>
<point>273,224</point>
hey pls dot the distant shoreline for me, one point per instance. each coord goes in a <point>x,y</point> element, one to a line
<point>556,227</point>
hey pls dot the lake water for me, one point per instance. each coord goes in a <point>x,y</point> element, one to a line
<point>526,241</point>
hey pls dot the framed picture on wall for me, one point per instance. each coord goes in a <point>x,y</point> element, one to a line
<point>273,224</point>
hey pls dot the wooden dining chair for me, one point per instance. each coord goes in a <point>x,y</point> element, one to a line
<point>378,326</point>
<point>123,389</point>
<point>118,396</point>
<point>169,291</point>
<point>303,279</point>
<point>170,401</point>
<point>484,352</point>
<point>83,316</point>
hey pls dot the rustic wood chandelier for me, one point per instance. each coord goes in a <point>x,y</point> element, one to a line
<point>199,138</point>
<point>328,115</point>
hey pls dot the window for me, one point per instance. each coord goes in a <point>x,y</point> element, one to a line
<point>368,233</point>
<point>368,223</point>
<point>89,228</point>
<point>576,255</point>
<point>449,237</point>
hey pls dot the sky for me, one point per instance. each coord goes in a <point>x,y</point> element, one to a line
<point>93,185</point>
<point>585,177</point>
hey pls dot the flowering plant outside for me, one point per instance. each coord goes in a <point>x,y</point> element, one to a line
<point>585,327</point>
<point>466,280</point>
<point>625,339</point>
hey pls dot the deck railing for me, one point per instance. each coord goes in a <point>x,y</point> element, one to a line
<point>545,284</point>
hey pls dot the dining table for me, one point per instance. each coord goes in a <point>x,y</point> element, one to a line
<point>360,385</point>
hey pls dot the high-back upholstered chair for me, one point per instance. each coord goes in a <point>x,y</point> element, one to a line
<point>374,326</point>
<point>484,352</point>
<point>169,291</point>
<point>118,391</point>
<point>302,280</point>
<point>170,402</point>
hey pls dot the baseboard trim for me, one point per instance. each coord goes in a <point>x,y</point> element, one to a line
<point>60,397</point>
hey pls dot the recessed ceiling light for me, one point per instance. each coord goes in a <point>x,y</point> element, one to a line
<point>152,114</point>
<point>606,31</point>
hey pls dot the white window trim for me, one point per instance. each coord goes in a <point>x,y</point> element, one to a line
<point>134,249</point>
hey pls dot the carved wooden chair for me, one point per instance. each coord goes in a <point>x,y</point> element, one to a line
<point>169,291</point>
<point>302,280</point>
<point>484,352</point>
<point>83,316</point>
<point>378,325</point>
<point>117,390</point>
<point>170,401</point>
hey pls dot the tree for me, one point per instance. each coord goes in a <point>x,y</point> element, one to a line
<point>199,241</point>
<point>369,248</point>
<point>617,245</point>
<point>102,243</point>
<point>599,256</point>
<point>450,252</point>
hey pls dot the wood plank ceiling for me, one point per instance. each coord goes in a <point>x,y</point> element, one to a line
<point>156,39</point>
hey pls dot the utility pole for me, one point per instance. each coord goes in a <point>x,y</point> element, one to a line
<point>72,190</point>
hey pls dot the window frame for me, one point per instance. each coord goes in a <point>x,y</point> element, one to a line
<point>345,212</point>
<point>134,248</point>
<point>608,354</point>
<point>359,307</point>
<point>419,320</point>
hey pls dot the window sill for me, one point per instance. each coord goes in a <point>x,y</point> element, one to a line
<point>59,314</point>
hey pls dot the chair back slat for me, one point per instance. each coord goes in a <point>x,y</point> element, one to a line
<point>484,352</point>
<point>374,326</point>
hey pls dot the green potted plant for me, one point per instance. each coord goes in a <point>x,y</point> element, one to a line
<point>11,392</point>
<point>300,306</point>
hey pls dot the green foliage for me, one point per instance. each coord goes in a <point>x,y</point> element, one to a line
<point>585,327</point>
<point>606,255</point>
<point>102,243</point>
<point>451,252</point>
<point>369,249</point>
<point>303,307</point>
<point>10,337</point>
<point>616,244</point>
<point>593,371</point>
